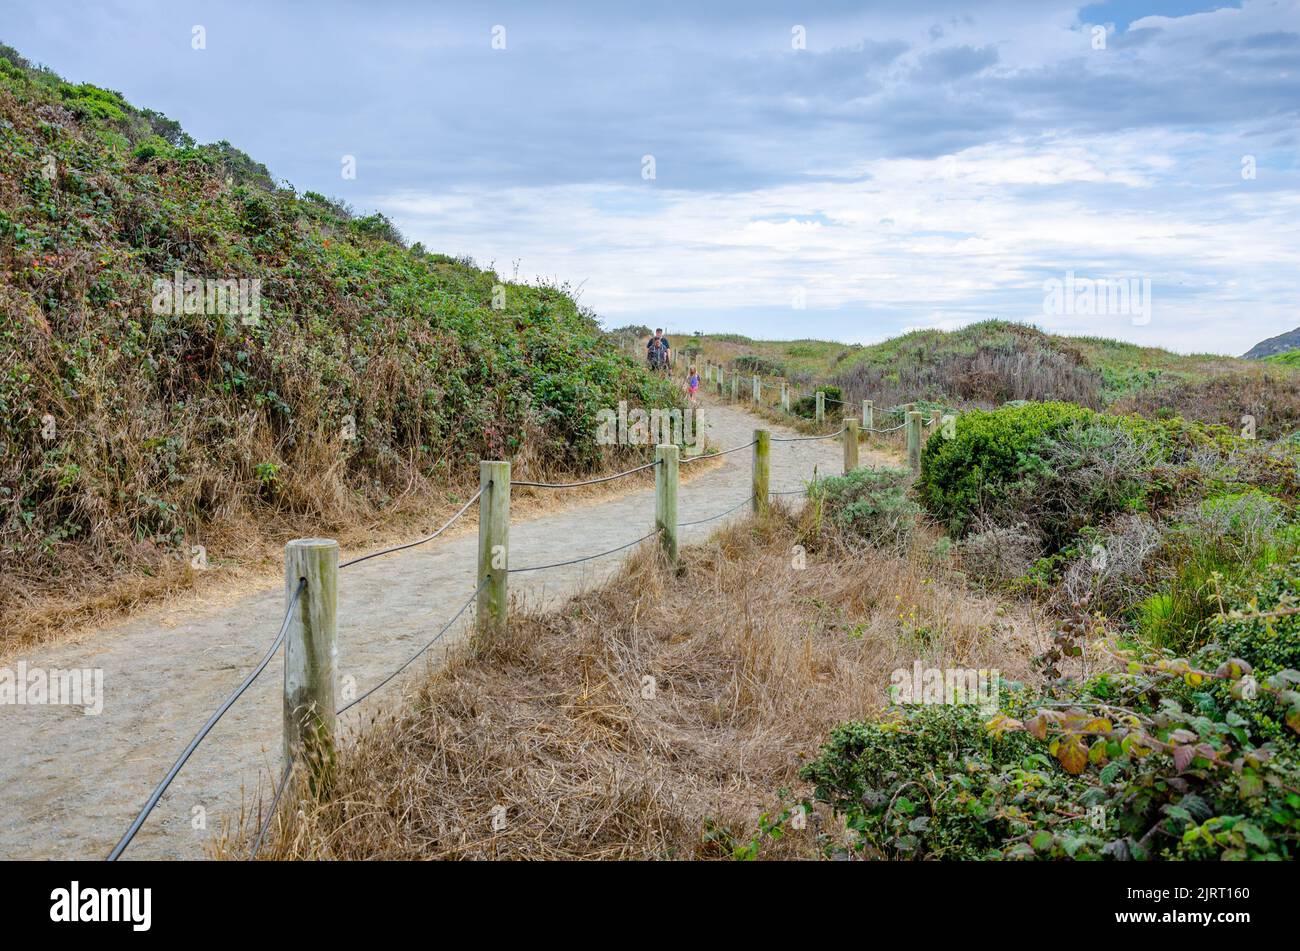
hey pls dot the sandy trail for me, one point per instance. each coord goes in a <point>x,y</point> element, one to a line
<point>72,783</point>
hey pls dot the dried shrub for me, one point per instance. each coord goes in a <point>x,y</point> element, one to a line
<point>1113,572</point>
<point>996,555</point>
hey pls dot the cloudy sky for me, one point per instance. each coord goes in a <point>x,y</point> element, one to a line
<point>839,170</point>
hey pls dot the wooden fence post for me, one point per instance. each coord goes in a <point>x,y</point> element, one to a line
<point>821,407</point>
<point>310,653</point>
<point>935,417</point>
<point>493,546</point>
<point>758,390</point>
<point>850,444</point>
<point>666,499</point>
<point>868,416</point>
<point>719,381</point>
<point>785,397</point>
<point>914,441</point>
<point>762,470</point>
<point>735,387</point>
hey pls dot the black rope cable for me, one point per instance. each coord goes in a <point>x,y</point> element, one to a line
<point>275,802</point>
<point>207,727</point>
<point>720,452</point>
<point>574,485</point>
<point>711,518</point>
<point>428,538</point>
<point>454,618</point>
<point>807,438</point>
<point>561,564</point>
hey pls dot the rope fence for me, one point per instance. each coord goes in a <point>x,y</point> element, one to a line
<point>410,660</point>
<point>575,561</point>
<point>226,704</point>
<point>711,518</point>
<point>428,538</point>
<point>717,374</point>
<point>309,628</point>
<point>575,485</point>
<point>835,435</point>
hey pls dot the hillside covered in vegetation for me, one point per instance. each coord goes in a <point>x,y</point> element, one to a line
<point>358,369</point>
<point>989,363</point>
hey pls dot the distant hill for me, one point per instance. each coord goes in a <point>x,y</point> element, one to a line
<point>988,363</point>
<point>1274,345</point>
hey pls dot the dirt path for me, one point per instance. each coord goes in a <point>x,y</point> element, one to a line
<point>72,783</point>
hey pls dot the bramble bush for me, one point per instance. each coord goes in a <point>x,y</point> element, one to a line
<point>1169,757</point>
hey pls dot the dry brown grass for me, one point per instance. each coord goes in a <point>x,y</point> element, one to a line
<point>245,550</point>
<point>754,662</point>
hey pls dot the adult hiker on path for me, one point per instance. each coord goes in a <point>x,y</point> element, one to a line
<point>659,352</point>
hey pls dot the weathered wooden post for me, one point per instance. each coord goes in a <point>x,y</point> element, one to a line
<point>310,653</point>
<point>785,397</point>
<point>493,546</point>
<point>935,417</point>
<point>719,380</point>
<point>735,387</point>
<point>821,407</point>
<point>914,440</point>
<point>762,470</point>
<point>850,444</point>
<point>868,416</point>
<point>758,390</point>
<point>666,500</point>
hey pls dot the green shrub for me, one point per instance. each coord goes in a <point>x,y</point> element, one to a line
<point>1171,758</point>
<point>806,406</point>
<point>1228,541</point>
<point>753,363</point>
<point>152,147</point>
<point>989,452</point>
<point>87,101</point>
<point>870,505</point>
